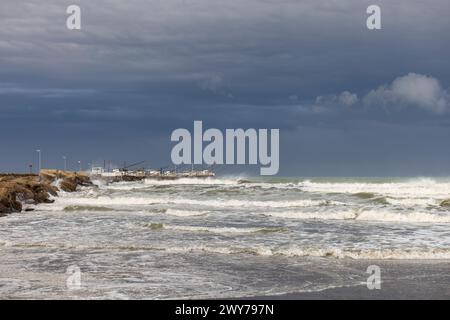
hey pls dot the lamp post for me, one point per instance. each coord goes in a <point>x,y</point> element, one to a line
<point>65,163</point>
<point>79,163</point>
<point>40,161</point>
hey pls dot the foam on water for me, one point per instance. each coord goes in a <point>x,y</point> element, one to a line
<point>150,200</point>
<point>364,215</point>
<point>187,224</point>
<point>261,250</point>
<point>186,213</point>
<point>219,230</point>
<point>411,188</point>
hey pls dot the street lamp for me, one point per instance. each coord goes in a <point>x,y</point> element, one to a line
<point>65,163</point>
<point>79,163</point>
<point>40,160</point>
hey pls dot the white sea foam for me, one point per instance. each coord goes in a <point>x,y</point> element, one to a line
<point>307,208</point>
<point>415,216</point>
<point>442,253</point>
<point>364,215</point>
<point>413,188</point>
<point>339,253</point>
<point>413,202</point>
<point>145,201</point>
<point>186,213</point>
<point>219,230</point>
<point>292,251</point>
<point>182,209</point>
<point>366,253</point>
<point>336,215</point>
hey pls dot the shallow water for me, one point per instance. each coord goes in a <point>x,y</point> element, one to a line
<point>225,237</point>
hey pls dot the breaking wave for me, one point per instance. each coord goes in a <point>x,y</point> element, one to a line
<point>421,187</point>
<point>186,213</point>
<point>75,208</point>
<point>364,215</point>
<point>219,230</point>
<point>289,251</point>
<point>143,201</point>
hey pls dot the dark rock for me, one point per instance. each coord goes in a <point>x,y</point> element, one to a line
<point>445,203</point>
<point>8,202</point>
<point>16,189</point>
<point>68,185</point>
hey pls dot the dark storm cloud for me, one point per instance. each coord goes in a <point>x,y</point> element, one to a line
<point>139,69</point>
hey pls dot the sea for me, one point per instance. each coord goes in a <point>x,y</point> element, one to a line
<point>225,237</point>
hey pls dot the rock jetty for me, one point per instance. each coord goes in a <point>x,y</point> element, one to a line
<point>18,190</point>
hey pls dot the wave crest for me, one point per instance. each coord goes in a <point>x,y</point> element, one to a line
<point>218,230</point>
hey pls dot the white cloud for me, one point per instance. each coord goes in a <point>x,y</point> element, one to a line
<point>411,90</point>
<point>347,98</point>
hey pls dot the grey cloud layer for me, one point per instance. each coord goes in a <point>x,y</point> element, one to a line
<point>253,47</point>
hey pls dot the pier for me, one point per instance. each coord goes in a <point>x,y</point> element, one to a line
<point>118,175</point>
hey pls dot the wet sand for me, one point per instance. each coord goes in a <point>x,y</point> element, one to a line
<point>37,272</point>
<point>400,280</point>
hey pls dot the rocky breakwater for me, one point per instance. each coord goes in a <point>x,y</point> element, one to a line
<point>19,190</point>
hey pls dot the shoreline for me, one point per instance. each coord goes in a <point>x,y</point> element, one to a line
<point>400,280</point>
<point>18,191</point>
<point>345,280</point>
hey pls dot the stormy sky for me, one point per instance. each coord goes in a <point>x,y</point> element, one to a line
<point>348,101</point>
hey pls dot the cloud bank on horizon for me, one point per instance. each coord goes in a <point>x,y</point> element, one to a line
<point>347,100</point>
<point>410,91</point>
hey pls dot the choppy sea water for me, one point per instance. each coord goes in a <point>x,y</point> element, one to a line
<point>224,237</point>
